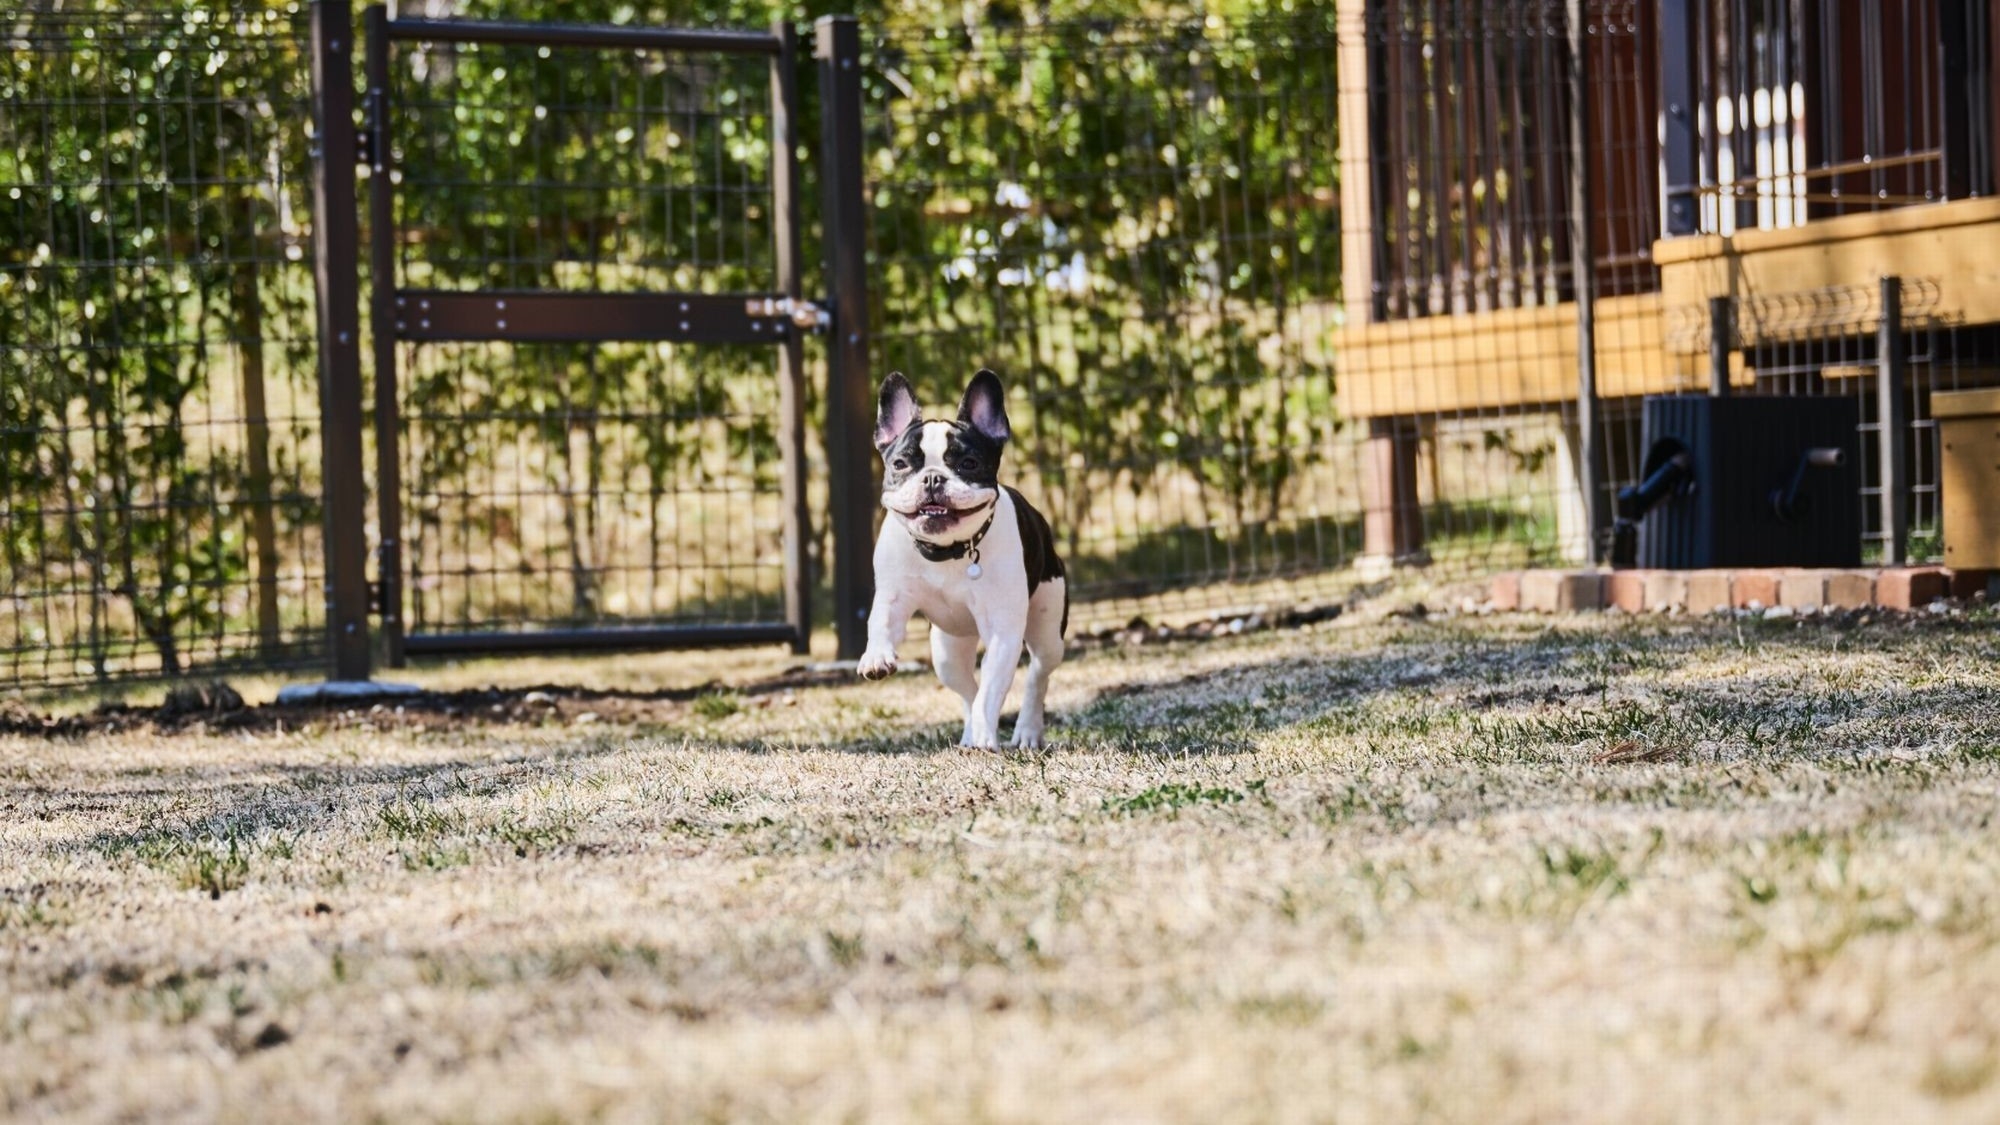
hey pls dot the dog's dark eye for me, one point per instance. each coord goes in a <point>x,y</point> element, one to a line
<point>900,464</point>
<point>969,465</point>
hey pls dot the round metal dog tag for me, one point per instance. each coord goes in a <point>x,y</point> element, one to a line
<point>972,571</point>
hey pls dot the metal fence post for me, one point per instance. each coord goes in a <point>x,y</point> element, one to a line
<point>1960,93</point>
<point>1583,265</point>
<point>1890,361</point>
<point>385,324</point>
<point>791,352</point>
<point>850,408</point>
<point>1681,139</point>
<point>1721,341</point>
<point>336,285</point>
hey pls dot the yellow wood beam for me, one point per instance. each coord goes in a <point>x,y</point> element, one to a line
<point>1955,245</point>
<point>1504,359</point>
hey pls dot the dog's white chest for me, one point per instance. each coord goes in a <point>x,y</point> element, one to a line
<point>946,601</point>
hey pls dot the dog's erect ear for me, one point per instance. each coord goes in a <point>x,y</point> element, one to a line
<point>896,409</point>
<point>984,406</point>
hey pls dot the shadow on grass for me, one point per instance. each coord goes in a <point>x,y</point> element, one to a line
<point>1558,699</point>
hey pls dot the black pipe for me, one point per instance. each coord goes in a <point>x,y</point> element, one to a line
<point>1669,471</point>
<point>1674,474</point>
<point>1785,501</point>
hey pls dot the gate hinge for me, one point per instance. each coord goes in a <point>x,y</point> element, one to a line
<point>371,144</point>
<point>378,599</point>
<point>804,315</point>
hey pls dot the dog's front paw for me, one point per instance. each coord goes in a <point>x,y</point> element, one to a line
<point>876,665</point>
<point>1027,738</point>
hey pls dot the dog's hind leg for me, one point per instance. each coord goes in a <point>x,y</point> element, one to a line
<point>957,662</point>
<point>1046,613</point>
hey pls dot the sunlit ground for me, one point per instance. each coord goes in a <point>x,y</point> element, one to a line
<point>1485,869</point>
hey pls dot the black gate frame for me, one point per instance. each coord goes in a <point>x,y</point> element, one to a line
<point>782,318</point>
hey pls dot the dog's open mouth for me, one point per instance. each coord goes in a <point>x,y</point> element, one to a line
<point>936,518</point>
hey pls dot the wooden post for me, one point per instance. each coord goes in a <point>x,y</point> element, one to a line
<point>1392,524</point>
<point>1583,267</point>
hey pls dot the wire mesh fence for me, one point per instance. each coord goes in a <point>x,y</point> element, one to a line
<point>582,484</point>
<point>1281,299</point>
<point>1137,224</point>
<point>159,464</point>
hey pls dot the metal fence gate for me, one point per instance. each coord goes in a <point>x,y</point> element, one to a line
<point>567,452</point>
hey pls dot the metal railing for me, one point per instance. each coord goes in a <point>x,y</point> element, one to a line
<point>1795,112</point>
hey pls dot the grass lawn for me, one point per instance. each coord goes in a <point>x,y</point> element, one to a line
<point>1473,869</point>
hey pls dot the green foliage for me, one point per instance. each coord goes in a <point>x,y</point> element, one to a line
<point>1133,221</point>
<point>716,705</point>
<point>146,227</point>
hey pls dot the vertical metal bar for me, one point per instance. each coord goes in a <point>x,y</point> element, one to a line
<point>336,285</point>
<point>1890,362</point>
<point>1958,97</point>
<point>1389,118</point>
<point>1459,57</point>
<point>384,315</point>
<point>1583,264</point>
<point>1742,100</point>
<point>850,412</point>
<point>1983,86</point>
<point>791,350</point>
<point>1721,341</point>
<point>1680,150</point>
<point>1437,208</point>
<point>1832,88</point>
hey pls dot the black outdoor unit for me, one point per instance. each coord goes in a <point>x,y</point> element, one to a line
<point>1755,481</point>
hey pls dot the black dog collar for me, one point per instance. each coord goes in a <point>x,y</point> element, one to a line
<point>945,552</point>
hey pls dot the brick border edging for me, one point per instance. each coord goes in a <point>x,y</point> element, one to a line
<point>1714,591</point>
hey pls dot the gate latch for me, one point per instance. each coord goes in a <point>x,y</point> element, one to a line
<point>804,315</point>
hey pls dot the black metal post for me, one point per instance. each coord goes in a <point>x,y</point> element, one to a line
<point>337,289</point>
<point>850,405</point>
<point>1680,105</point>
<point>1890,361</point>
<point>1721,341</point>
<point>386,312</point>
<point>791,350</point>
<point>1960,98</point>
<point>1583,266</point>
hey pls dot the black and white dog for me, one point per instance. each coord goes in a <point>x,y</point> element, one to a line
<point>969,554</point>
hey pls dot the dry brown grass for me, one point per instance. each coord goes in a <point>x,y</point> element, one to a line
<point>1483,870</point>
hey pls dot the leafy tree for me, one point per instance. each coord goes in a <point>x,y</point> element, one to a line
<point>146,212</point>
<point>1133,221</point>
